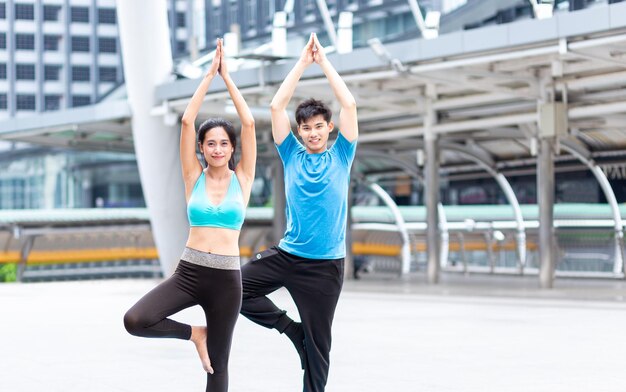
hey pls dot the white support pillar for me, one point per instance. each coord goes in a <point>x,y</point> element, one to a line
<point>344,33</point>
<point>552,123</point>
<point>147,59</point>
<point>545,200</point>
<point>279,34</point>
<point>431,147</point>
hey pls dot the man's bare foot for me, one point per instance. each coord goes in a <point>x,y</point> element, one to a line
<point>199,337</point>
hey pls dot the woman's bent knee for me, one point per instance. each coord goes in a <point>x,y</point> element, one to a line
<point>133,323</point>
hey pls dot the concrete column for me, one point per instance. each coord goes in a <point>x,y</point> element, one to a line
<point>545,200</point>
<point>431,193</point>
<point>278,228</point>
<point>147,58</point>
<point>552,124</point>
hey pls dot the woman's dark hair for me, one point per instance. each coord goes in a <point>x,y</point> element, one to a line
<point>230,131</point>
<point>311,108</point>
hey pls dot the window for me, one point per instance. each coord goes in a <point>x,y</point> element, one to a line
<point>181,46</point>
<point>51,12</point>
<point>181,19</point>
<point>107,45</point>
<point>80,44</point>
<point>25,71</point>
<point>51,42</point>
<point>25,11</point>
<point>80,100</point>
<point>25,102</point>
<point>80,74</point>
<point>52,102</point>
<point>24,41</point>
<point>107,16</point>
<point>51,72</point>
<point>3,11</point>
<point>3,71</point>
<point>107,74</point>
<point>79,14</point>
<point>3,101</point>
<point>3,40</point>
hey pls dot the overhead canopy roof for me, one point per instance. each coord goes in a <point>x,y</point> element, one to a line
<point>103,126</point>
<point>485,83</point>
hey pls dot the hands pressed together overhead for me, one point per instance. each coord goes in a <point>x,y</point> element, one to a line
<point>219,63</point>
<point>313,51</point>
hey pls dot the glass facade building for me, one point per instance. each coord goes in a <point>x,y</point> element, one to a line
<point>44,178</point>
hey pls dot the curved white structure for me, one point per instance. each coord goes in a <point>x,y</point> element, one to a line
<point>147,58</point>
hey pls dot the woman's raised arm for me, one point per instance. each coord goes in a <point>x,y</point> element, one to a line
<point>188,158</point>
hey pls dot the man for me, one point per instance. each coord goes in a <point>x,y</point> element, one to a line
<point>309,259</point>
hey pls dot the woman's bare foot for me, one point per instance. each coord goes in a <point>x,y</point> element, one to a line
<point>198,337</point>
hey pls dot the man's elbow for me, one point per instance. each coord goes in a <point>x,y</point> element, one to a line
<point>276,107</point>
<point>350,104</point>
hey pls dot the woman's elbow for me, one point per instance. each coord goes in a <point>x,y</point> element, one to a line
<point>248,123</point>
<point>187,121</point>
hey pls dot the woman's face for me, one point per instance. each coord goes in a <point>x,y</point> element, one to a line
<point>216,147</point>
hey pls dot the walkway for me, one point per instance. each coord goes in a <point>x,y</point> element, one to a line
<point>477,333</point>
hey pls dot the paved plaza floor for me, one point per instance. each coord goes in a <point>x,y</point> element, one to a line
<point>469,333</point>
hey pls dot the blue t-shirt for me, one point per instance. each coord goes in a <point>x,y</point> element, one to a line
<point>316,187</point>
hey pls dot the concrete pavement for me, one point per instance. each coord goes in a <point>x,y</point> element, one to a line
<point>466,334</point>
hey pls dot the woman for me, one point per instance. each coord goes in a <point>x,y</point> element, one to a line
<point>209,270</point>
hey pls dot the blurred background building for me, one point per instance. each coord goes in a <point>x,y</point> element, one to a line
<point>59,54</point>
<point>63,57</point>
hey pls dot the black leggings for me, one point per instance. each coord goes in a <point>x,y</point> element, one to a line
<point>217,291</point>
<point>314,285</point>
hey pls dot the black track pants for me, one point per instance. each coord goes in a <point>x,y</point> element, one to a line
<point>217,291</point>
<point>314,285</point>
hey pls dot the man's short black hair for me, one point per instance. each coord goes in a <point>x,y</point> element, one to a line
<point>311,108</point>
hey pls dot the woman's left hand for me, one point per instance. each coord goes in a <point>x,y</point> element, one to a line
<point>216,64</point>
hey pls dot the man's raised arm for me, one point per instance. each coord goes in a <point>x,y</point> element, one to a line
<point>348,124</point>
<point>280,120</point>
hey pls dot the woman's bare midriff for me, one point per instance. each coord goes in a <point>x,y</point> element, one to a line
<point>214,240</point>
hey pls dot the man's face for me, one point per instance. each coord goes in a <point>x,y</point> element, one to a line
<point>314,133</point>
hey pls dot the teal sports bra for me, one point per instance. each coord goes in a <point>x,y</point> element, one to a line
<point>229,214</point>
